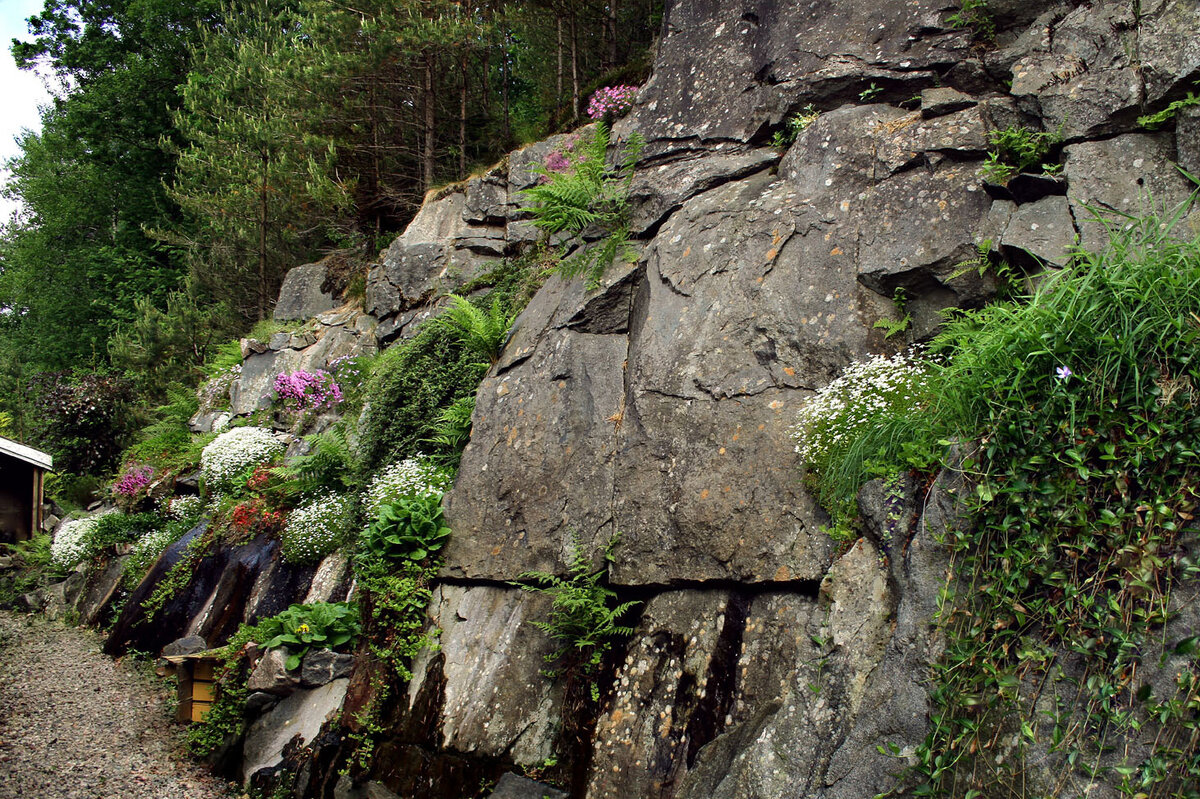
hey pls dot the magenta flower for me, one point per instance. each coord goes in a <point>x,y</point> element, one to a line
<point>557,161</point>
<point>134,481</point>
<point>614,100</point>
<point>305,391</point>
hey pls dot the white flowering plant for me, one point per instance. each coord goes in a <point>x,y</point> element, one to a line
<point>183,508</point>
<point>316,528</point>
<point>233,453</point>
<point>407,479</point>
<point>853,426</point>
<point>70,545</point>
<point>146,551</point>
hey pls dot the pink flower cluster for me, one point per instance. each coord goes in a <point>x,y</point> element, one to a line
<point>304,391</point>
<point>134,481</point>
<point>611,100</point>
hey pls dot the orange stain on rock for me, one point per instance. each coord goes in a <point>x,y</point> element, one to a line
<point>704,494</point>
<point>836,251</point>
<point>783,574</point>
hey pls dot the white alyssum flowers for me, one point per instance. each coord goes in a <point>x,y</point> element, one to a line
<point>183,507</point>
<point>231,454</point>
<point>70,543</point>
<point>314,529</point>
<point>860,396</point>
<point>414,477</point>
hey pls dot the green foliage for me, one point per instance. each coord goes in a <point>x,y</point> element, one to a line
<point>160,348</point>
<point>409,385</point>
<point>870,93</point>
<point>329,465</point>
<point>1082,397</point>
<point>976,15</point>
<point>168,442</point>
<point>584,615</point>
<point>118,528</point>
<point>587,195</point>
<point>409,529</point>
<point>1018,149</point>
<point>893,327</point>
<point>795,125</point>
<point>451,431</point>
<point>256,180</point>
<point>1155,120</point>
<point>479,330</point>
<point>31,567</point>
<point>321,625</point>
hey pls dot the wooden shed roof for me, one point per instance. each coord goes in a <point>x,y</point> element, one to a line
<point>26,454</point>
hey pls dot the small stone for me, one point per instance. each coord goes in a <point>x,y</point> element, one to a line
<point>324,666</point>
<point>941,101</point>
<point>188,645</point>
<point>272,676</point>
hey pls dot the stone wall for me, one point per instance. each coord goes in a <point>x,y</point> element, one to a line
<point>767,661</point>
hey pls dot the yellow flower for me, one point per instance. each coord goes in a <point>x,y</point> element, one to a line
<point>303,628</point>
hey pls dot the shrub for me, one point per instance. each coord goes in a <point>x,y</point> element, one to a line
<point>133,483</point>
<point>837,430</point>
<point>410,383</point>
<point>256,516</point>
<point>317,528</point>
<point>233,453</point>
<point>408,479</point>
<point>85,419</point>
<point>184,508</point>
<point>71,542</point>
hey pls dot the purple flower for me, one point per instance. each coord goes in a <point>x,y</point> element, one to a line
<point>134,481</point>
<point>557,162</point>
<point>304,391</point>
<point>611,100</point>
<point>1063,372</point>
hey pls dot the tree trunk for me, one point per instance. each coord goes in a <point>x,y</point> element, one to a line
<point>574,68</point>
<point>262,238</point>
<point>428,162</point>
<point>462,116</point>
<point>558,95</point>
<point>612,29</point>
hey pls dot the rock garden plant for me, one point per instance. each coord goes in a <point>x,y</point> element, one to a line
<point>233,453</point>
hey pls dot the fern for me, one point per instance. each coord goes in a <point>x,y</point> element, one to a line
<point>452,429</point>
<point>480,331</point>
<point>330,465</point>
<point>584,614</point>
<point>588,195</point>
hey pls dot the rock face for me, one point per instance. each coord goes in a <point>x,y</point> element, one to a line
<point>651,413</point>
<point>301,297</point>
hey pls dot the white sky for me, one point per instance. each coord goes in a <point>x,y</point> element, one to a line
<point>21,92</point>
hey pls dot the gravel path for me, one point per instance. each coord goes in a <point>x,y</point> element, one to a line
<point>76,725</point>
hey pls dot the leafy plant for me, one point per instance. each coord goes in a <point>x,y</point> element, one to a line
<point>321,625</point>
<point>1018,149</point>
<point>584,616</point>
<point>1155,120</point>
<point>330,465</point>
<point>31,566</point>
<point>794,126</point>
<point>409,529</point>
<point>588,194</point>
<point>452,429</point>
<point>480,331</point>
<point>893,327</point>
<point>410,383</point>
<point>870,93</point>
<point>976,15</point>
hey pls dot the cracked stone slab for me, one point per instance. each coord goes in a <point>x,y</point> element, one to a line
<point>665,691</point>
<point>496,701</point>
